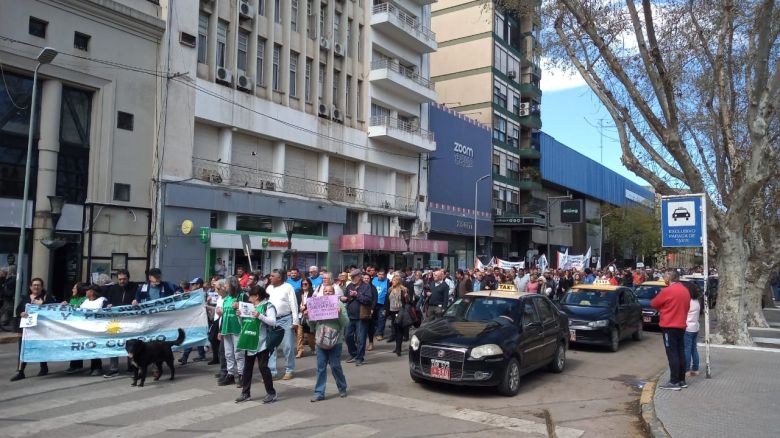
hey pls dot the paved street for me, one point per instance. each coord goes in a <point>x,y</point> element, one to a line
<point>596,395</point>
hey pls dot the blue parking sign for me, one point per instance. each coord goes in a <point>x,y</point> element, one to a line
<point>681,221</point>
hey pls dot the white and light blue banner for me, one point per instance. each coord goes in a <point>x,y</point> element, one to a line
<point>65,333</point>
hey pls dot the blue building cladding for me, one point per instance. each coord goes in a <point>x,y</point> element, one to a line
<point>463,154</point>
<point>568,168</point>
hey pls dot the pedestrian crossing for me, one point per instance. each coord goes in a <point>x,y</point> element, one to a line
<point>177,409</point>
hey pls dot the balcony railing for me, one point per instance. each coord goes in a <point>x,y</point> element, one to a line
<point>405,20</point>
<point>402,70</point>
<point>401,125</point>
<point>245,177</point>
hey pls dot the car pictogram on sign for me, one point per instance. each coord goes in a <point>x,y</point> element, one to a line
<point>681,213</point>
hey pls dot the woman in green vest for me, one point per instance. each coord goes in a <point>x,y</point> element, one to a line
<point>231,329</point>
<point>77,296</point>
<point>253,340</point>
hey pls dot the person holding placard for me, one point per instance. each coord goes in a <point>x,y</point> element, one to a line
<point>329,337</point>
<point>39,296</point>
<point>231,329</point>
<point>253,340</point>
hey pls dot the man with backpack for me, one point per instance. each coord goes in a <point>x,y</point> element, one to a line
<point>329,337</point>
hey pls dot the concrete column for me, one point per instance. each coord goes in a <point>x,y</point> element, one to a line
<point>251,55</point>
<point>225,153</point>
<point>284,64</point>
<point>315,68</point>
<point>323,164</point>
<point>303,39</point>
<point>227,221</point>
<point>328,34</point>
<point>278,163</point>
<point>268,75</point>
<point>277,226</point>
<point>211,53</point>
<point>361,176</point>
<point>48,150</point>
<point>364,226</point>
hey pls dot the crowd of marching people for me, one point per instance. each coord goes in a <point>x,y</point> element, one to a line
<point>370,299</point>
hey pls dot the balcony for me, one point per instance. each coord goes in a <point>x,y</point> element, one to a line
<point>533,120</point>
<point>406,29</point>
<point>531,90</point>
<point>401,133</point>
<point>529,153</point>
<point>528,183</point>
<point>232,175</point>
<point>424,2</point>
<point>402,81</point>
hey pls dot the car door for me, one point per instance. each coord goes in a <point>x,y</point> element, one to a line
<point>635,317</point>
<point>624,310</point>
<point>531,335</point>
<point>550,329</point>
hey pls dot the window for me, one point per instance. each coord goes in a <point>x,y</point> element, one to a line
<point>380,225</point>
<point>513,134</point>
<point>499,94</point>
<point>261,7</point>
<point>260,64</point>
<point>277,11</point>
<point>275,78</point>
<point>336,82</point>
<point>545,310</point>
<point>293,73</point>
<point>348,92</point>
<point>515,104</point>
<point>243,47</point>
<point>498,26</point>
<point>307,82</point>
<point>124,121</point>
<point>294,15</point>
<point>360,100</point>
<point>336,25</point>
<point>321,81</point>
<point>349,37</point>
<point>529,313</point>
<point>122,192</point>
<point>222,37</point>
<point>203,38</point>
<point>379,114</point>
<point>309,12</point>
<point>360,42</point>
<point>37,27</point>
<point>73,158</point>
<point>497,164</point>
<point>499,128</point>
<point>81,41</point>
<point>323,12</point>
<point>512,167</point>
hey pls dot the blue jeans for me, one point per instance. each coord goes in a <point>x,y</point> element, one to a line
<point>288,346</point>
<point>776,292</point>
<point>356,338</point>
<point>201,352</point>
<point>330,357</point>
<point>379,321</point>
<point>691,352</point>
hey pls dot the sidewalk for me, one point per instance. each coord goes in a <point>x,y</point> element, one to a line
<point>8,337</point>
<point>741,399</point>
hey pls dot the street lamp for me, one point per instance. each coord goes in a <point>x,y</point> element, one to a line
<point>56,203</point>
<point>601,236</point>
<point>476,197</point>
<point>46,56</point>
<point>289,225</point>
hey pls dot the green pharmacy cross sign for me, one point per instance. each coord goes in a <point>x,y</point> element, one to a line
<point>204,234</point>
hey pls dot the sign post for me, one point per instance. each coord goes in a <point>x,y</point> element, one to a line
<point>684,224</point>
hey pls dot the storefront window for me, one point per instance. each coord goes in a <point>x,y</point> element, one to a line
<point>14,126</point>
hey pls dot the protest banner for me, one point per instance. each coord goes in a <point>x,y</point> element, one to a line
<point>321,308</point>
<point>504,264</point>
<point>64,332</point>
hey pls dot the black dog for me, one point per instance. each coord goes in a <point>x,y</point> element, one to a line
<point>142,354</point>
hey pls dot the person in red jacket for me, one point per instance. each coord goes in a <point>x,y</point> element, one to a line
<point>673,303</point>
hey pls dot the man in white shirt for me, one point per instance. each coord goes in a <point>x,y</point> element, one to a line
<point>282,296</point>
<point>522,279</point>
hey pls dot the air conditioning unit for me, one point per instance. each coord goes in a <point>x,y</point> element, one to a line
<point>224,75</point>
<point>245,11</point>
<point>244,83</point>
<point>524,109</point>
<point>425,227</point>
<point>323,110</point>
<point>511,74</point>
<point>324,43</point>
<point>211,176</point>
<point>351,191</point>
<point>267,185</point>
<point>338,50</point>
<point>337,114</point>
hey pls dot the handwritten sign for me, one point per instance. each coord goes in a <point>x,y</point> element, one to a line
<point>322,308</point>
<point>30,321</point>
<point>246,309</point>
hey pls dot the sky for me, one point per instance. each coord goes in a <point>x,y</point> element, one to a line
<point>571,113</point>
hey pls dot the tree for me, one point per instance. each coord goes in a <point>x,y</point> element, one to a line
<point>631,229</point>
<point>693,88</point>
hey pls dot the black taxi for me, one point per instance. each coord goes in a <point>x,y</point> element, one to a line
<point>602,314</point>
<point>490,338</point>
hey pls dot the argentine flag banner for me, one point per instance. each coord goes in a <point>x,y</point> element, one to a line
<point>64,332</point>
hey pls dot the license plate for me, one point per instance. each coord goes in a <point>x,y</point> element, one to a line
<point>440,369</point>
<point>646,319</point>
<point>572,335</point>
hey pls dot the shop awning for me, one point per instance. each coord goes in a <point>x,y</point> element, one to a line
<point>362,242</point>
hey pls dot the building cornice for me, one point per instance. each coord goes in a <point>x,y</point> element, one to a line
<point>115,14</point>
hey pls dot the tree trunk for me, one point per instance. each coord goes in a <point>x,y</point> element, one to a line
<point>732,270</point>
<point>756,283</point>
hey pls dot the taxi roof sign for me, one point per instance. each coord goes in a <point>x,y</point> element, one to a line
<point>505,287</point>
<point>601,282</point>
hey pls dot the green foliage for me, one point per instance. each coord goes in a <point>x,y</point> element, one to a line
<point>633,229</point>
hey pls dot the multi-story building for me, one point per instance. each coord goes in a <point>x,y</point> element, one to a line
<point>93,138</point>
<point>487,67</point>
<point>308,110</point>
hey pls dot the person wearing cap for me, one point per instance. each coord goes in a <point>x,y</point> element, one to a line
<point>120,293</point>
<point>154,288</point>
<point>315,277</point>
<point>196,286</point>
<point>357,293</point>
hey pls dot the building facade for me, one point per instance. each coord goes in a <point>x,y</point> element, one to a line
<point>487,67</point>
<point>301,109</point>
<point>93,143</point>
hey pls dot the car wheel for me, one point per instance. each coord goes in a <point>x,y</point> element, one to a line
<point>639,333</point>
<point>614,338</point>
<point>510,384</point>
<point>559,360</point>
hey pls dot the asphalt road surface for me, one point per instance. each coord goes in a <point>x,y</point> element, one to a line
<point>597,395</point>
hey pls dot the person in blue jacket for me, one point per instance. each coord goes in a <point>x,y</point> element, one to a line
<point>154,288</point>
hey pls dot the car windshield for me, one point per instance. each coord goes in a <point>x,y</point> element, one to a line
<point>482,309</point>
<point>647,292</point>
<point>590,298</point>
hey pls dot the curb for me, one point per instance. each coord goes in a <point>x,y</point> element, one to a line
<point>9,339</point>
<point>647,409</point>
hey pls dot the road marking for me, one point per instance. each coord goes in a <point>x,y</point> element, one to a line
<point>347,430</point>
<point>56,385</point>
<point>742,347</point>
<point>51,403</point>
<point>273,423</point>
<point>24,429</point>
<point>177,421</point>
<point>433,408</point>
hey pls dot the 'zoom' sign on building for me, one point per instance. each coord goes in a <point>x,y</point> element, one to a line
<point>573,211</point>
